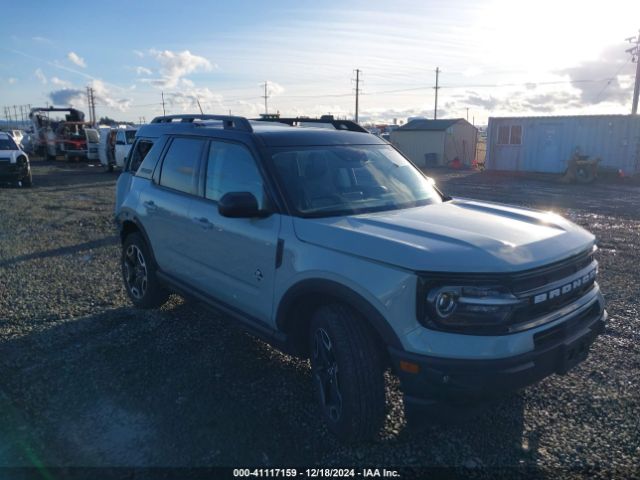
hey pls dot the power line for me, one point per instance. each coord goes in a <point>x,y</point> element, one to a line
<point>606,85</point>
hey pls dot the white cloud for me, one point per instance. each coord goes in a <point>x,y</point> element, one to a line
<point>176,65</point>
<point>78,97</point>
<point>41,39</point>
<point>143,71</point>
<point>77,59</point>
<point>274,88</point>
<point>60,83</point>
<point>68,96</point>
<point>104,97</point>
<point>12,80</point>
<point>610,69</point>
<point>187,100</point>
<point>138,53</point>
<point>40,76</point>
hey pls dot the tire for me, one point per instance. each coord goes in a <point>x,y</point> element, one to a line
<point>139,274</point>
<point>584,175</point>
<point>27,181</point>
<point>347,370</point>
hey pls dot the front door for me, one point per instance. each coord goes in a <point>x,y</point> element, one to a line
<point>237,255</point>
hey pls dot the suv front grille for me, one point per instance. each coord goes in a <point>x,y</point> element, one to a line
<point>523,283</point>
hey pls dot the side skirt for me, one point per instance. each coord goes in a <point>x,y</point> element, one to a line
<point>252,325</point>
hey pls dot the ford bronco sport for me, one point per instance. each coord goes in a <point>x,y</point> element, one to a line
<point>331,245</point>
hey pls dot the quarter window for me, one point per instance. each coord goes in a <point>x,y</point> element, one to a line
<point>232,168</point>
<point>179,169</point>
<point>139,152</point>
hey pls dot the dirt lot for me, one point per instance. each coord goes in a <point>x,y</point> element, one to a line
<point>87,380</point>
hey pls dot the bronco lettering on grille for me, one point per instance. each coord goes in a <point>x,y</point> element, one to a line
<point>564,289</point>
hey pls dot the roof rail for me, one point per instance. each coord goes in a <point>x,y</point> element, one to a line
<point>337,124</point>
<point>228,121</point>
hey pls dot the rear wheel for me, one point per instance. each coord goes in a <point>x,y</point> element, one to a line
<point>347,370</point>
<point>139,274</point>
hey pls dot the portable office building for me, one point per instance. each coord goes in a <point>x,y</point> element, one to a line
<point>546,144</point>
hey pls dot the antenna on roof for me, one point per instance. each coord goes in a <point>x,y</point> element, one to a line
<point>198,100</point>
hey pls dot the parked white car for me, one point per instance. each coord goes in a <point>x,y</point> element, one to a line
<point>124,139</point>
<point>14,163</point>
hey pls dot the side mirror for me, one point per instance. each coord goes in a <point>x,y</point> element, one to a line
<point>240,205</point>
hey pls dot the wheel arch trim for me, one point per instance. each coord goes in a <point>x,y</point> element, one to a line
<point>342,293</point>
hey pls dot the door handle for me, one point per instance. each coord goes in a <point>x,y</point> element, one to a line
<point>203,222</point>
<point>150,205</point>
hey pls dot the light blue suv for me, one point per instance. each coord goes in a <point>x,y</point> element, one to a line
<point>329,244</point>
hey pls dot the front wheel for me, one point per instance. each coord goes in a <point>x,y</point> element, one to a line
<point>27,181</point>
<point>347,370</point>
<point>139,274</point>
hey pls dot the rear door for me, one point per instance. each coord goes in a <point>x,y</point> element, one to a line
<point>93,143</point>
<point>236,255</point>
<point>165,204</point>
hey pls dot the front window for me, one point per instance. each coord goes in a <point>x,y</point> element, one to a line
<point>342,180</point>
<point>231,168</point>
<point>130,136</point>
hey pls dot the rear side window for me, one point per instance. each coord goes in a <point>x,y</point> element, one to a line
<point>180,165</point>
<point>138,154</point>
<point>232,168</point>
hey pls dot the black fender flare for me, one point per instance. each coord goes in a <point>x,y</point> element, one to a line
<point>341,293</point>
<point>122,219</point>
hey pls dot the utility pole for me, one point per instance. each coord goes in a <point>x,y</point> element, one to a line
<point>93,106</point>
<point>467,114</point>
<point>435,108</point>
<point>357,91</point>
<point>15,115</point>
<point>266,96</point>
<point>164,113</point>
<point>635,57</point>
<point>89,104</point>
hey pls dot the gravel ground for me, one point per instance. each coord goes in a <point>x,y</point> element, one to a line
<point>89,381</point>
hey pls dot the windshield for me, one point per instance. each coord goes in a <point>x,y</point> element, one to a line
<point>7,144</point>
<point>342,180</point>
<point>130,135</point>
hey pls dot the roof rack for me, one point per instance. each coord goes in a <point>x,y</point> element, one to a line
<point>337,124</point>
<point>228,121</point>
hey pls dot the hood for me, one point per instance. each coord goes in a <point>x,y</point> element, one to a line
<point>459,236</point>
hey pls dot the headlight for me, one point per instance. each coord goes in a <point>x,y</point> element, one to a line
<point>468,308</point>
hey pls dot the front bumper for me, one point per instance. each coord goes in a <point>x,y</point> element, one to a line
<point>557,350</point>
